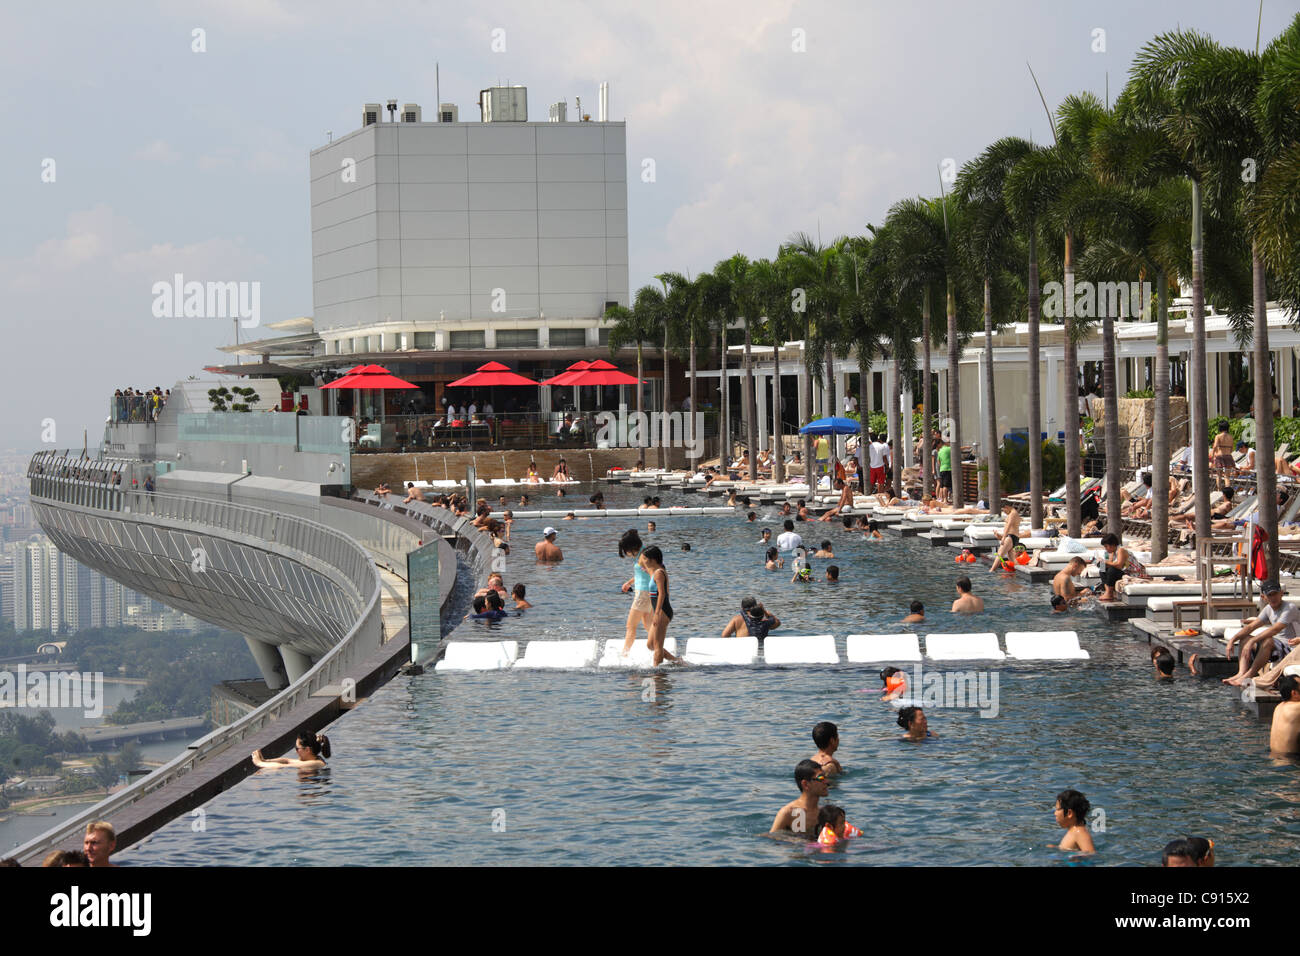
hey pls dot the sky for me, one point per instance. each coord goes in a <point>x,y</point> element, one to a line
<point>763,119</point>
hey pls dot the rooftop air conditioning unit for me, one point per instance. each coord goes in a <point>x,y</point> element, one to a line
<point>411,113</point>
<point>370,114</point>
<point>448,113</point>
<point>505,104</point>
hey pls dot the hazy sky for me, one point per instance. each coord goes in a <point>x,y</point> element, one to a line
<point>168,160</point>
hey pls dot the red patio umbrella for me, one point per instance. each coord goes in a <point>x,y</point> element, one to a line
<point>601,372</point>
<point>566,377</point>
<point>489,375</point>
<point>371,377</point>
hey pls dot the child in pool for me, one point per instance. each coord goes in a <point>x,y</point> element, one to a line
<point>895,683</point>
<point>832,828</point>
<point>1071,815</point>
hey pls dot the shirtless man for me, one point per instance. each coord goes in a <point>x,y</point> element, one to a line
<point>966,602</point>
<point>412,493</point>
<point>916,614</point>
<point>1009,536</point>
<point>754,620</point>
<point>1063,584</point>
<point>546,549</point>
<point>799,816</point>
<point>827,738</point>
<point>1284,736</point>
<point>846,501</point>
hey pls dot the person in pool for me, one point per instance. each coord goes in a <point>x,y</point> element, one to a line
<point>895,683</point>
<point>912,719</point>
<point>825,551</point>
<point>1164,663</point>
<point>800,815</point>
<point>827,738</point>
<point>916,614</point>
<point>1071,815</point>
<point>652,560</point>
<point>1178,852</point>
<point>520,600</point>
<point>629,546</point>
<point>832,827</point>
<point>833,574</point>
<point>774,560</point>
<point>754,620</point>
<point>966,603</point>
<point>312,749</point>
<point>767,536</point>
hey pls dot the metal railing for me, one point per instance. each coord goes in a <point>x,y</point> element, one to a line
<point>281,532</point>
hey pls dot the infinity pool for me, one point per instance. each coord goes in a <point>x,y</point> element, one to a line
<point>690,766</point>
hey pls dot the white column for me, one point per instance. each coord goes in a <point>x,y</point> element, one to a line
<point>760,387</point>
<point>892,410</point>
<point>1052,419</point>
<point>802,396</point>
<point>982,380</point>
<point>1285,385</point>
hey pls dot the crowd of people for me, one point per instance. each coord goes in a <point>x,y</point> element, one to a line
<point>134,405</point>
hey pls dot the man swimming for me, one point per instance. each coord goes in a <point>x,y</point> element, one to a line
<point>799,816</point>
<point>1284,735</point>
<point>966,603</point>
<point>754,620</point>
<point>916,614</point>
<point>1063,583</point>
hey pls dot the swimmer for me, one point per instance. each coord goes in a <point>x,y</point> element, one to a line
<point>652,559</point>
<point>827,738</point>
<point>521,602</point>
<point>754,620</point>
<point>832,574</point>
<point>1063,583</point>
<point>800,815</point>
<point>639,614</point>
<point>650,527</point>
<point>1204,850</point>
<point>752,517</point>
<point>686,546</point>
<point>895,683</point>
<point>523,501</point>
<point>774,560</point>
<point>832,828</point>
<point>873,530</point>
<point>312,749</point>
<point>546,550</point>
<point>966,602</point>
<point>1071,815</point>
<point>1060,605</point>
<point>912,719</point>
<point>824,551</point>
<point>1178,853</point>
<point>767,536</point>
<point>570,517</point>
<point>916,614</point>
<point>1164,663</point>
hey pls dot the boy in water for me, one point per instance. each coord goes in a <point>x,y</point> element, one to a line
<point>1071,815</point>
<point>827,738</point>
<point>800,815</point>
<point>916,614</point>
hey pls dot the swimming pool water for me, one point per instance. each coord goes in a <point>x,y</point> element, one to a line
<point>689,766</point>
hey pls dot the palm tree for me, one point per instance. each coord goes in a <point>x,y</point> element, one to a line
<point>771,298</point>
<point>637,325</point>
<point>991,245</point>
<point>733,273</point>
<point>1026,192</point>
<point>1160,94</point>
<point>917,232</point>
<point>1144,236</point>
<point>709,309</point>
<point>814,266</point>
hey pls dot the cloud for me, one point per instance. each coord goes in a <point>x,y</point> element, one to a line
<point>159,151</point>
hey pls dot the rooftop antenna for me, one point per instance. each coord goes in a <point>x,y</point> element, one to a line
<point>437,88</point>
<point>329,134</point>
<point>1108,88</point>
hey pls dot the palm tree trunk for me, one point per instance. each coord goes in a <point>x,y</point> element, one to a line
<point>805,406</point>
<point>896,425</point>
<point>1197,384</point>
<point>1265,473</point>
<point>1035,397</point>
<point>640,398</point>
<point>1114,499</point>
<point>1070,372</point>
<point>664,432</point>
<point>994,480</point>
<point>724,432</point>
<point>751,423</point>
<point>689,424</point>
<point>926,411</point>
<point>954,398</point>
<point>778,437</point>
<point>1160,425</point>
<point>829,392</point>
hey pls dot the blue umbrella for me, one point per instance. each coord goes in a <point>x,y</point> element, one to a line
<point>832,426</point>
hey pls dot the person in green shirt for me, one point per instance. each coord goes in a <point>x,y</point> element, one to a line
<point>944,454</point>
